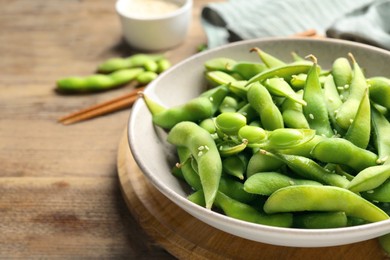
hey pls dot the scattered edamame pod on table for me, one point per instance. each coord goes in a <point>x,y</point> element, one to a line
<point>98,82</point>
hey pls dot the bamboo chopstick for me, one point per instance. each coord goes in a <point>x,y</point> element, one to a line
<point>102,108</point>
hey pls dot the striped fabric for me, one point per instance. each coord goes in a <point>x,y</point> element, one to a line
<point>247,19</point>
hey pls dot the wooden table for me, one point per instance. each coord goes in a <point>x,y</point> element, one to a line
<point>59,187</point>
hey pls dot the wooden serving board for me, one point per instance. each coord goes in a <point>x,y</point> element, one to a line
<point>186,237</point>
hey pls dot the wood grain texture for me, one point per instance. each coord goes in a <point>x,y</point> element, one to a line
<point>59,189</point>
<point>188,238</point>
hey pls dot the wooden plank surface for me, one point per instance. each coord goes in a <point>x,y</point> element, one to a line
<point>59,190</point>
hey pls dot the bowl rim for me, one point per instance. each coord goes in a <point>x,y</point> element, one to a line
<point>382,227</point>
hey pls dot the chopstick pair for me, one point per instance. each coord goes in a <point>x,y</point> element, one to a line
<point>109,106</point>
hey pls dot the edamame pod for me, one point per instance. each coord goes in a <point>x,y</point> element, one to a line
<point>381,129</point>
<point>370,178</point>
<point>248,69</point>
<point>262,162</point>
<point>266,183</point>
<point>219,64</point>
<point>309,169</point>
<point>316,111</point>
<point>279,87</point>
<point>235,166</point>
<point>269,60</point>
<point>204,151</point>
<point>261,100</point>
<point>319,220</point>
<point>341,151</point>
<point>136,60</point>
<point>359,132</point>
<point>333,102</point>
<point>292,113</point>
<point>347,111</point>
<point>380,90</point>
<point>286,72</point>
<point>238,210</point>
<point>98,82</point>
<point>322,198</point>
<point>197,109</point>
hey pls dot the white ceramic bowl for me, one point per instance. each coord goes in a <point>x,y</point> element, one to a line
<point>154,32</point>
<point>186,80</point>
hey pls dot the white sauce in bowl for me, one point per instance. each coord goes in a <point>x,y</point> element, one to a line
<point>150,8</point>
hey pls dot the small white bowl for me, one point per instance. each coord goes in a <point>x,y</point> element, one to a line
<point>157,31</point>
<point>186,80</point>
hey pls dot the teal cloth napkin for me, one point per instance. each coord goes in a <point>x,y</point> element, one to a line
<point>360,20</point>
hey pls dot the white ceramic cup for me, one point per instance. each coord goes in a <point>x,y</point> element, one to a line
<point>157,32</point>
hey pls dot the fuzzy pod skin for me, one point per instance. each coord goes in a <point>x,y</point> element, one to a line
<point>261,100</point>
<point>204,150</point>
<point>195,110</point>
<point>358,87</point>
<point>98,82</point>
<point>342,151</point>
<point>322,198</point>
<point>316,111</point>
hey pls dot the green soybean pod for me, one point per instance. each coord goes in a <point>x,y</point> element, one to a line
<point>379,88</point>
<point>219,64</point>
<point>298,81</point>
<point>292,113</point>
<point>322,198</point>
<point>303,149</point>
<point>235,190</point>
<point>280,88</point>
<point>163,65</point>
<point>230,122</point>
<point>269,60</point>
<point>216,78</point>
<point>248,69</point>
<point>381,129</point>
<point>261,100</point>
<point>197,197</point>
<point>359,132</point>
<point>204,151</point>
<point>342,151</point>
<point>266,183</point>
<point>209,125</point>
<point>242,211</point>
<point>235,166</point>
<point>370,178</point>
<point>309,169</point>
<point>379,194</point>
<point>190,176</point>
<point>347,111</point>
<point>316,111</point>
<point>146,77</point>
<point>286,138</point>
<point>262,162</point>
<point>229,104</point>
<point>342,72</point>
<point>98,82</point>
<point>332,101</point>
<point>195,110</point>
<point>286,72</point>
<point>253,134</point>
<point>320,220</point>
<point>136,60</point>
